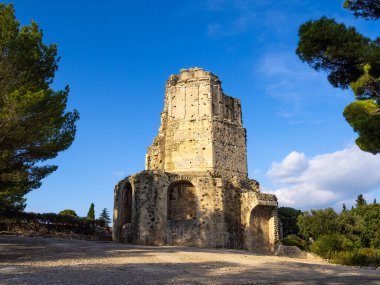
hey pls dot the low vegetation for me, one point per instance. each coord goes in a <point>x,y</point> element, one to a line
<point>68,212</point>
<point>294,240</point>
<point>49,223</point>
<point>351,237</point>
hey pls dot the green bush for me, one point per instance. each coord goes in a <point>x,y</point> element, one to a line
<point>329,243</point>
<point>68,212</point>
<point>351,237</point>
<point>293,240</point>
<point>371,232</point>
<point>315,223</point>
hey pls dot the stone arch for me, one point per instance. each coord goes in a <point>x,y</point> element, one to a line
<point>181,201</point>
<point>127,203</point>
<point>259,226</point>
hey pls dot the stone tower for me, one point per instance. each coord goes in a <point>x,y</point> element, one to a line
<point>201,128</point>
<point>195,189</point>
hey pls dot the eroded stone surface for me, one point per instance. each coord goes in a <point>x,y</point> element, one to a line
<point>195,189</point>
<point>201,128</point>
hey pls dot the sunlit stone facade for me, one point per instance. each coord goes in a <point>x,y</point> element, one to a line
<point>195,190</point>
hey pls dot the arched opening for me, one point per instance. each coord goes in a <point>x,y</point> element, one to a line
<point>181,201</point>
<point>127,195</point>
<point>259,226</point>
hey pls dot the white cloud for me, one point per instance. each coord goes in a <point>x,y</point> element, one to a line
<point>325,180</point>
<point>294,163</point>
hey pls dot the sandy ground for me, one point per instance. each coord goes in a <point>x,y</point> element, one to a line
<point>32,261</point>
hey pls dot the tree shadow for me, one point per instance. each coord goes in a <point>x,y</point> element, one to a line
<point>50,261</point>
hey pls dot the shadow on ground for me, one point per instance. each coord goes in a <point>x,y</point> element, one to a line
<point>52,261</point>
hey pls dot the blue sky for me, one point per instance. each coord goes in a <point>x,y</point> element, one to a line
<point>117,55</point>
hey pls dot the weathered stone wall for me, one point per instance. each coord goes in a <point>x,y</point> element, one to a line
<point>201,128</point>
<point>151,219</point>
<point>229,149</point>
<point>195,190</point>
<point>214,205</point>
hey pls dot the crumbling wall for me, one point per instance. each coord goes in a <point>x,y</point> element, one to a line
<point>229,149</point>
<point>195,190</point>
<point>212,218</point>
<point>259,219</point>
<point>151,222</point>
<point>201,128</point>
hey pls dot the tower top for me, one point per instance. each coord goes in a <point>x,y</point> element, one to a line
<point>201,128</point>
<point>192,74</point>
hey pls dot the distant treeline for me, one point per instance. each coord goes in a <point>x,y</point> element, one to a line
<point>351,237</point>
<point>49,223</point>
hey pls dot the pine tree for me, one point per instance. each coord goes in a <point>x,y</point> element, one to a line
<point>351,60</point>
<point>344,207</point>
<point>360,201</point>
<point>368,9</point>
<point>34,124</point>
<point>91,212</point>
<point>104,215</point>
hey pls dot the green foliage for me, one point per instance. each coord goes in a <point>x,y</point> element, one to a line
<point>326,45</point>
<point>371,229</point>
<point>360,201</point>
<point>351,237</point>
<point>68,212</point>
<point>293,240</point>
<point>366,86</point>
<point>358,257</point>
<point>368,9</point>
<point>364,119</point>
<point>351,60</point>
<point>351,225</point>
<point>49,222</point>
<point>330,242</point>
<point>34,126</point>
<point>315,223</point>
<point>91,212</point>
<point>104,215</point>
<point>288,217</point>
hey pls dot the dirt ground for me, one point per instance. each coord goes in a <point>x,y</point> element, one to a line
<point>26,260</point>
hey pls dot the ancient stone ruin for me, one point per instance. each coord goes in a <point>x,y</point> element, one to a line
<point>195,190</point>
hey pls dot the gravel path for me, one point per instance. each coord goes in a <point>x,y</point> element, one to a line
<point>32,261</point>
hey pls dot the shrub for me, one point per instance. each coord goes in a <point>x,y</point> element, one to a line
<point>371,231</point>
<point>315,223</point>
<point>293,240</point>
<point>68,212</point>
<point>330,243</point>
<point>360,257</point>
